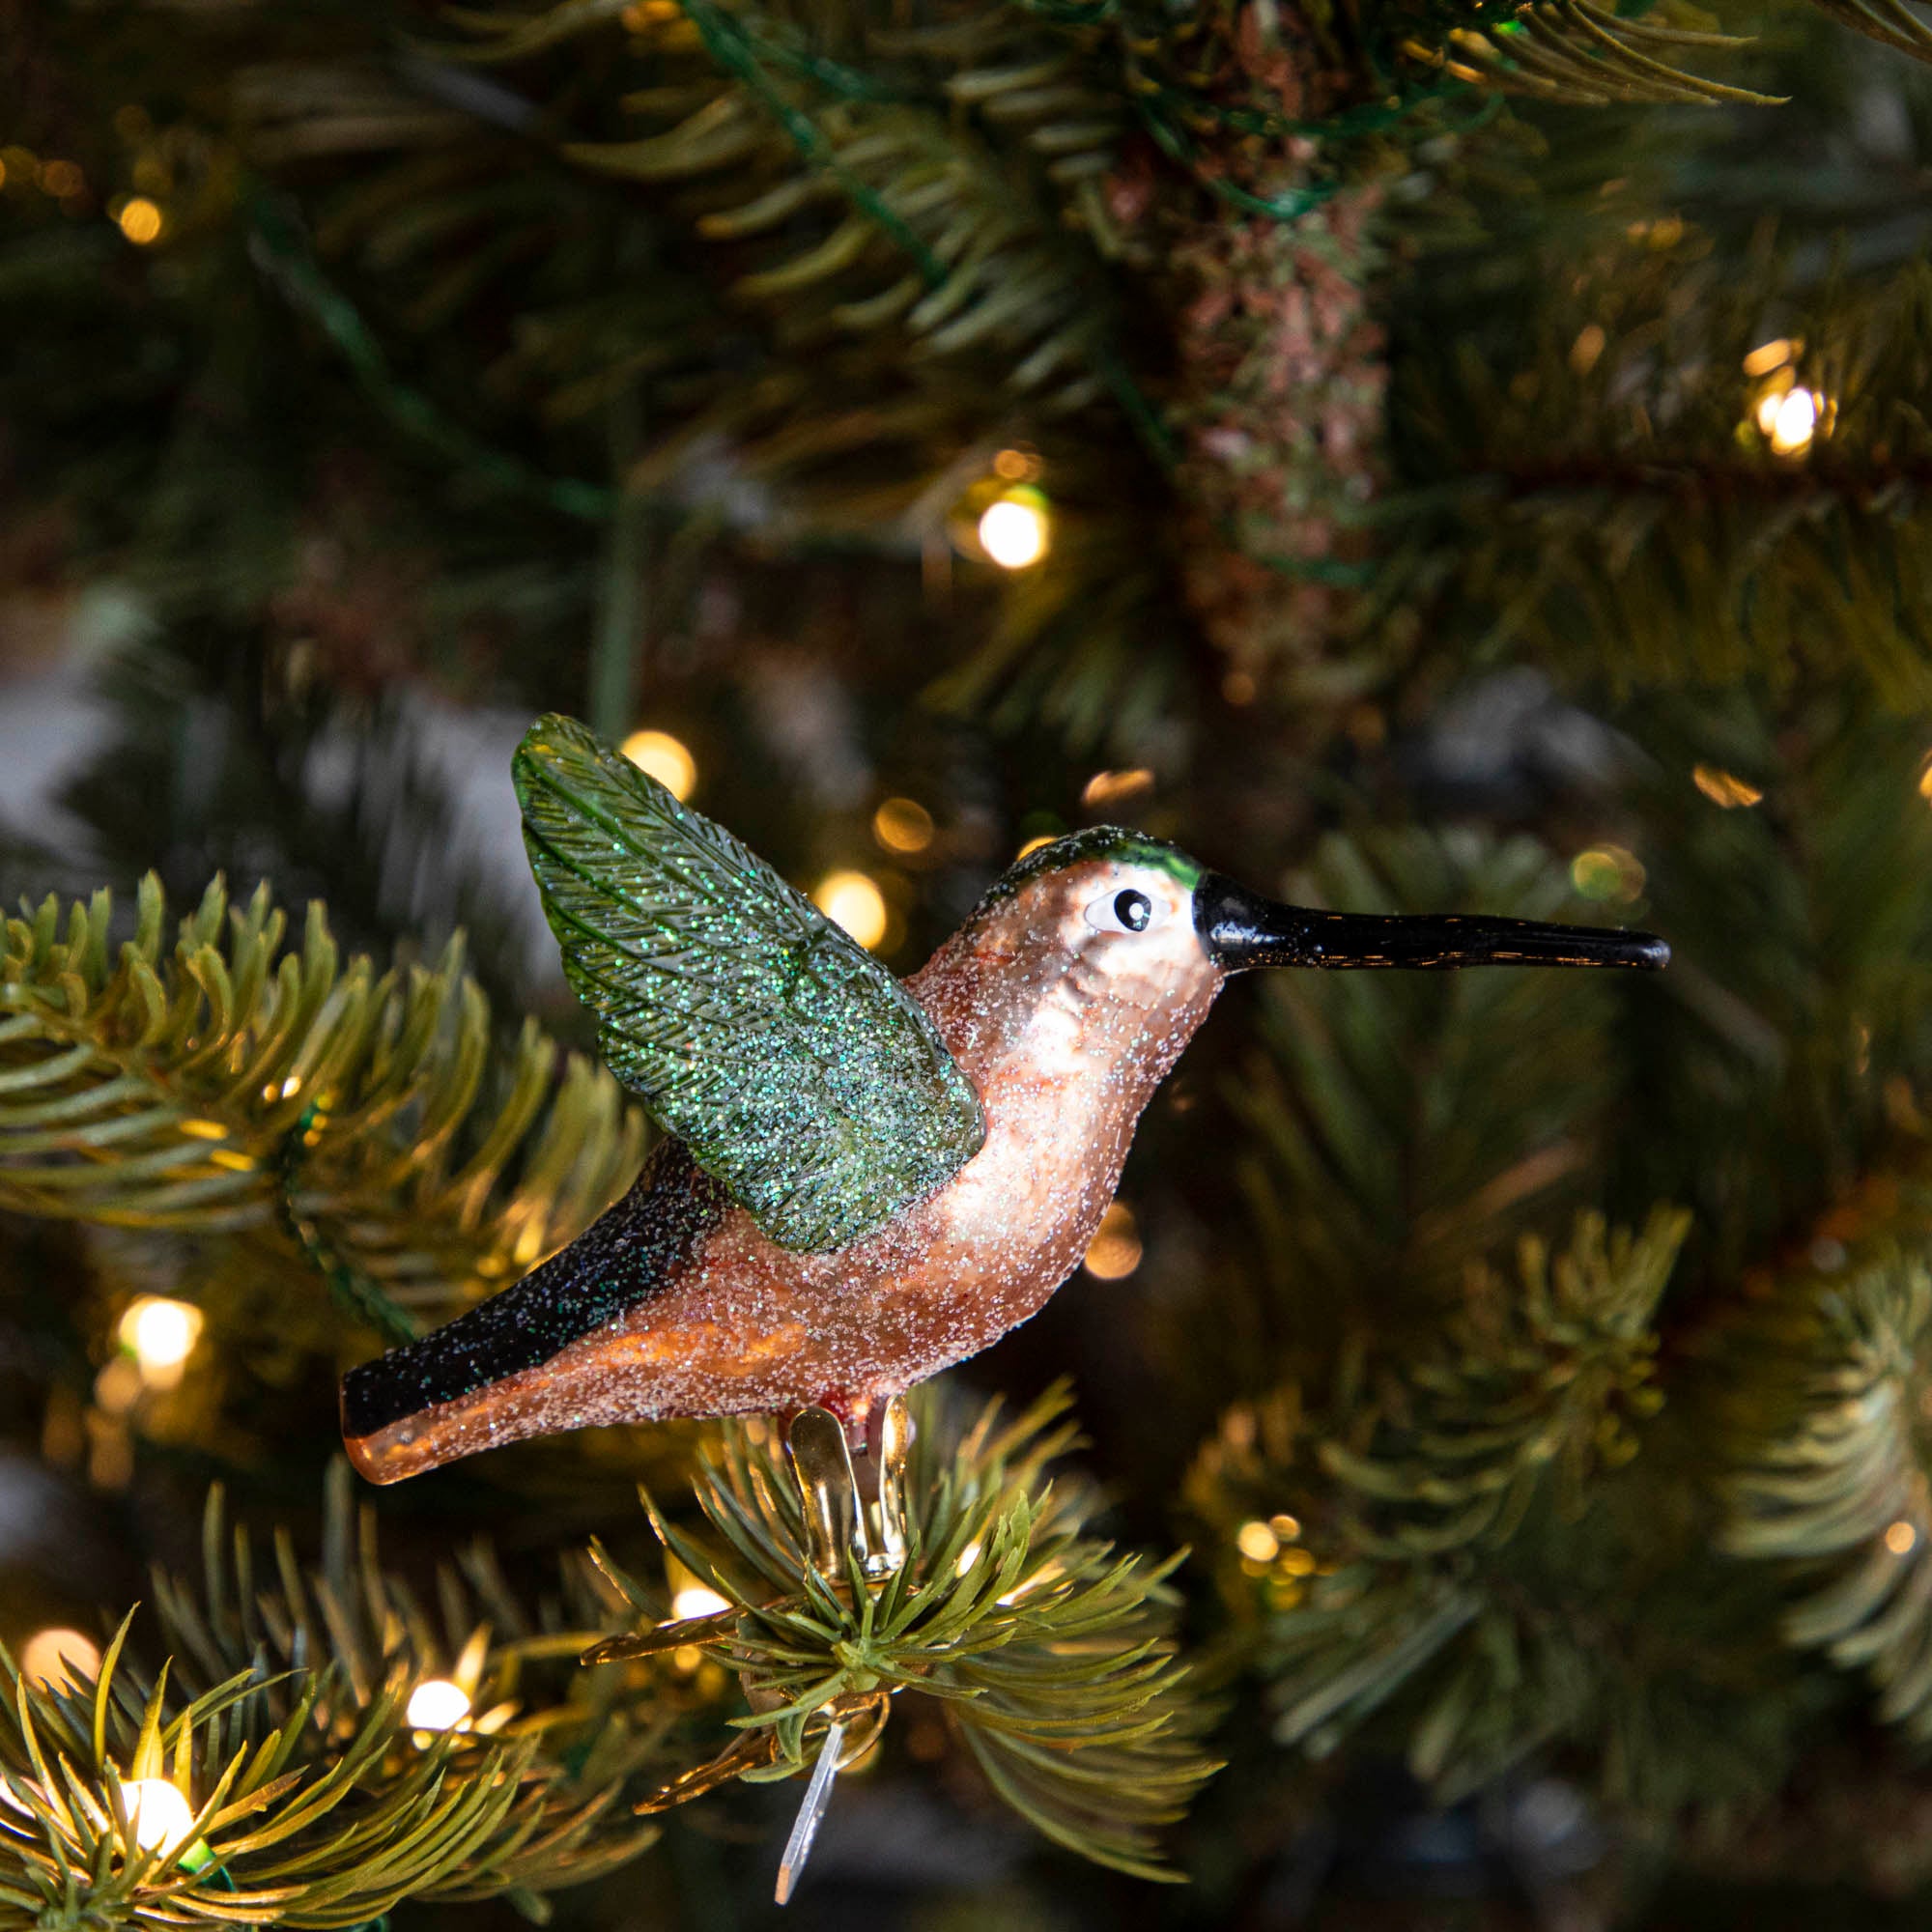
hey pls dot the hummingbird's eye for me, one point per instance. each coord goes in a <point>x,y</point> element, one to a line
<point>1129,911</point>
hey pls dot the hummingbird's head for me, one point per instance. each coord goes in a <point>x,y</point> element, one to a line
<point>1124,904</point>
<point>1098,956</point>
<point>1097,963</point>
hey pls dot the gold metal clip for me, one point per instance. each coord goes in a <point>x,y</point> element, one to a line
<point>896,1433</point>
<point>836,1521</point>
<point>827,1486</point>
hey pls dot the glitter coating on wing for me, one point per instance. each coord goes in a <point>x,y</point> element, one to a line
<point>793,1065</point>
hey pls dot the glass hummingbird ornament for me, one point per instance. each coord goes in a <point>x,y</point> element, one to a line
<point>863,1179</point>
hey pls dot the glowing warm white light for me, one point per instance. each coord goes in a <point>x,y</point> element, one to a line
<point>1724,788</point>
<point>1115,1251</point>
<point>140,220</point>
<point>968,1557</point>
<point>852,900</point>
<point>58,1658</point>
<point>158,1814</point>
<point>437,1705</point>
<point>1900,1537</point>
<point>161,1334</point>
<point>1013,532</point>
<point>1794,422</point>
<point>1287,1527</point>
<point>903,824</point>
<point>1257,1541</point>
<point>695,1600</point>
<point>666,758</point>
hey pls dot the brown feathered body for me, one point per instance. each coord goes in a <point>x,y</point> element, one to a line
<point>1063,1030</point>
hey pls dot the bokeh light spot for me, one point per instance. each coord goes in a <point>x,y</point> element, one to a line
<point>668,759</point>
<point>854,901</point>
<point>1115,1251</point>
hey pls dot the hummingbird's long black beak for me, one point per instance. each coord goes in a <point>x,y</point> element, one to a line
<point>1241,929</point>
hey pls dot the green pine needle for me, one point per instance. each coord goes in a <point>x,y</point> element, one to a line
<point>1838,1491</point>
<point>1368,1549</point>
<point>1051,1654</point>
<point>282,1716</point>
<point>222,1085</point>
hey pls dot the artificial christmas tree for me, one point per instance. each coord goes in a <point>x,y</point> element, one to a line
<point>1389,452</point>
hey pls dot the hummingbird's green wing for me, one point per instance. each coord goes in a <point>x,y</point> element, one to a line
<point>796,1068</point>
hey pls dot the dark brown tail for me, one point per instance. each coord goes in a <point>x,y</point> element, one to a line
<point>471,1383</point>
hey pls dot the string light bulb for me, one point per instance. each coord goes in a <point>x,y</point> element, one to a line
<point>436,1704</point>
<point>59,1658</point>
<point>1015,528</point>
<point>1788,416</point>
<point>666,758</point>
<point>854,901</point>
<point>160,1334</point>
<point>1257,1543</point>
<point>695,1600</point>
<point>1794,422</point>
<point>158,1813</point>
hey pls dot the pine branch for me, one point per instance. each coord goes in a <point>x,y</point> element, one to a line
<point>1427,1113</point>
<point>1837,1493</point>
<point>224,1085</point>
<point>928,231</point>
<point>1581,55</point>
<point>1891,23</point>
<point>282,1716</point>
<point>1387,1547</point>
<point>1780,1080</point>
<point>332,797</point>
<point>1621,498</point>
<point>1051,1654</point>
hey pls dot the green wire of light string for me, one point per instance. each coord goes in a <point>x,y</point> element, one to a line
<point>734,50</point>
<point>731,47</point>
<point>305,286</point>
